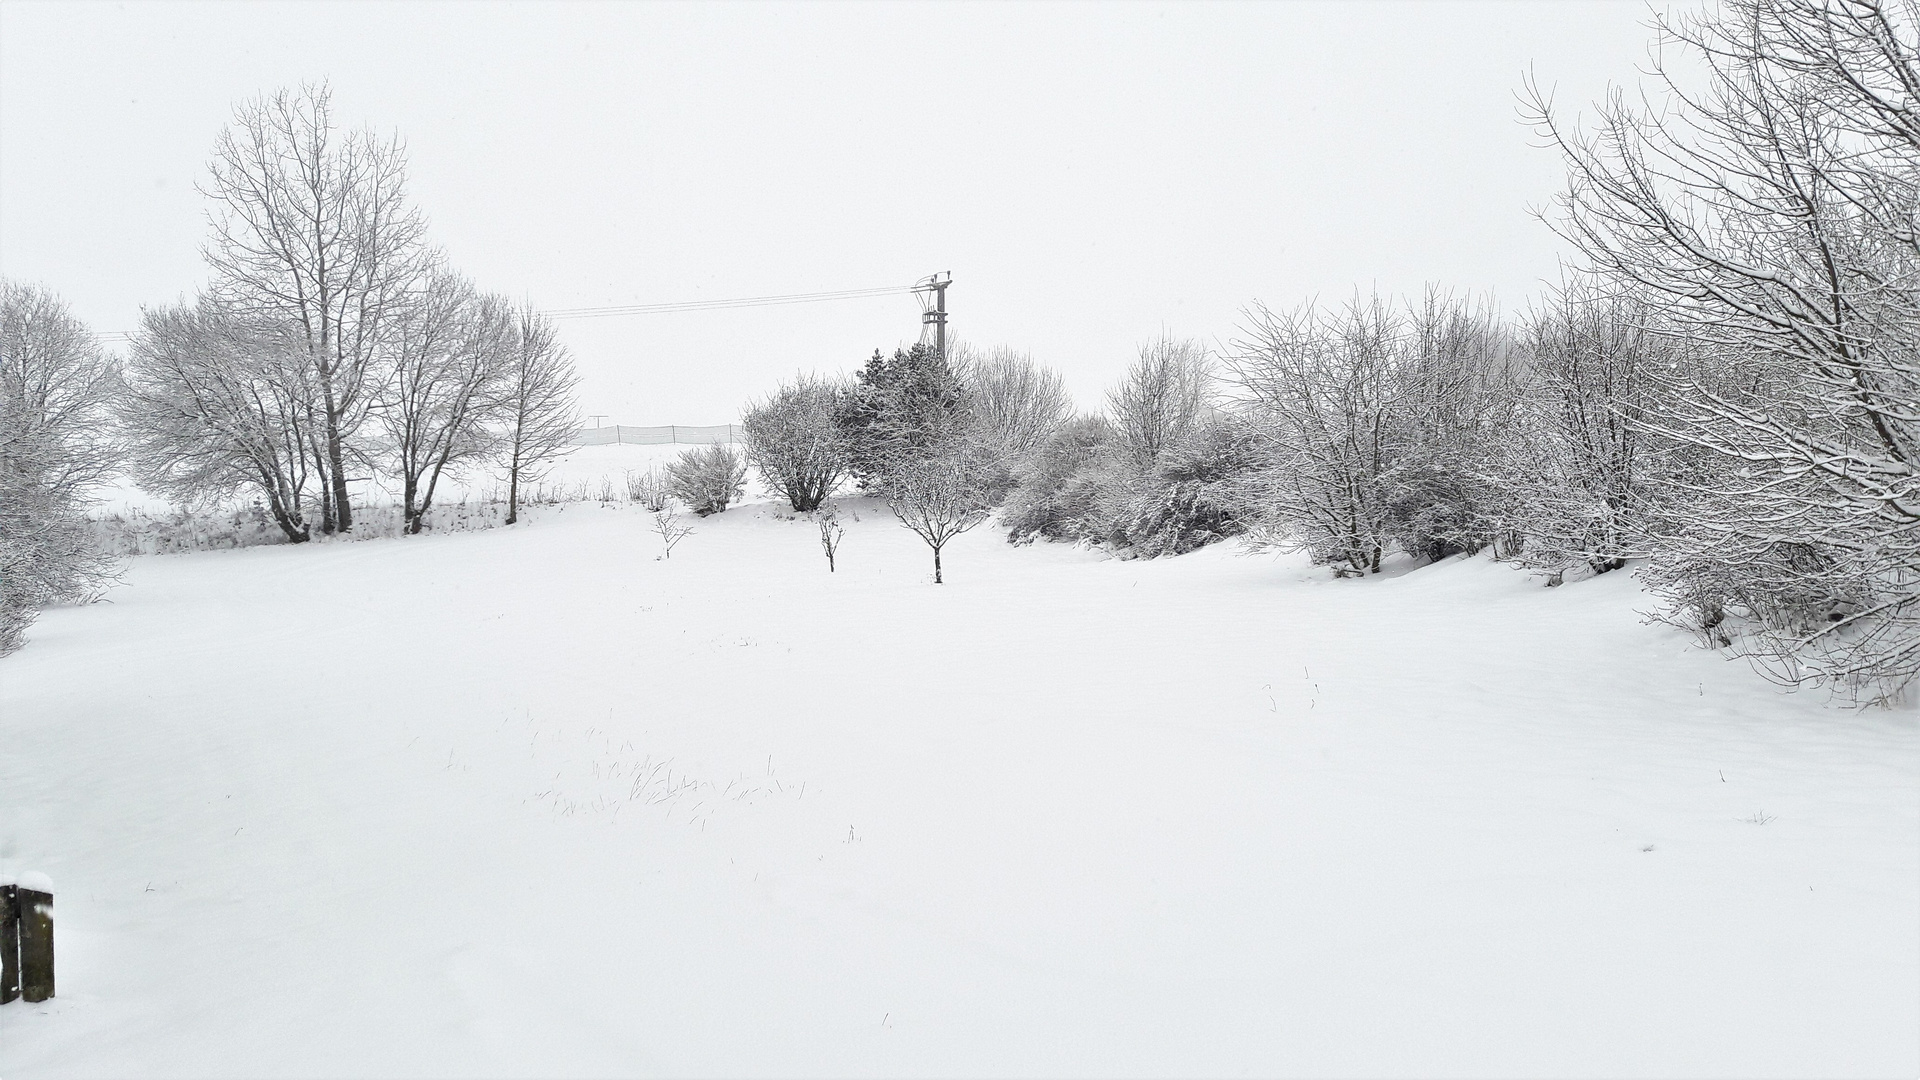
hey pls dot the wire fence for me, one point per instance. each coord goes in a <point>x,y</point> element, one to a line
<point>627,434</point>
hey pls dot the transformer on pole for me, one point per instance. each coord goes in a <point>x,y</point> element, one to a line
<point>932,291</point>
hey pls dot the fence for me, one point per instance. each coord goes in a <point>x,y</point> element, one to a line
<point>627,434</point>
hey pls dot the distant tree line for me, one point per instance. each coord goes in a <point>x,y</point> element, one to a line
<point>1726,388</point>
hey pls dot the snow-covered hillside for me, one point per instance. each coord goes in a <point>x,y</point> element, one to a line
<point>532,801</point>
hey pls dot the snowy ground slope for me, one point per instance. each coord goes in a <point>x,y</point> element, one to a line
<point>530,801</point>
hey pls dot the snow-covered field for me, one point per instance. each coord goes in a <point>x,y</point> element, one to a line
<point>531,801</point>
<point>588,466</point>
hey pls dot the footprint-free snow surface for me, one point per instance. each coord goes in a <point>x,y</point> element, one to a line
<point>535,802</point>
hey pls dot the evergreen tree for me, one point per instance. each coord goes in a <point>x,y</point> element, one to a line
<point>903,408</point>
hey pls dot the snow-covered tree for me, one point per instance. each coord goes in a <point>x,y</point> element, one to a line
<point>1378,422</point>
<point>1166,393</point>
<point>60,384</point>
<point>216,405</point>
<point>1195,493</point>
<point>1457,401</point>
<point>1574,469</point>
<point>538,418</point>
<point>826,518</point>
<point>57,390</point>
<point>939,495</point>
<point>903,409</point>
<point>1323,392</point>
<point>1765,201</point>
<point>444,376</point>
<point>1015,405</point>
<point>312,230</point>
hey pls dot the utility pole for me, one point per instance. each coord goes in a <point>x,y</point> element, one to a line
<point>932,291</point>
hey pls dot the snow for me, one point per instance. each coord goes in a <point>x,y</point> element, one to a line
<point>532,801</point>
<point>590,466</point>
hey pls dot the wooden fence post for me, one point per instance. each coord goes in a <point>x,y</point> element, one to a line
<point>35,893</point>
<point>9,940</point>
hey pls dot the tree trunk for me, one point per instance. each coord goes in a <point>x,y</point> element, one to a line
<point>343,510</point>
<point>336,456</point>
<point>432,485</point>
<point>936,566</point>
<point>326,506</point>
<point>513,488</point>
<point>409,524</point>
<point>296,533</point>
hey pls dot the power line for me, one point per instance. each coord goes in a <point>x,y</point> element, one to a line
<point>681,305</point>
<point>734,302</point>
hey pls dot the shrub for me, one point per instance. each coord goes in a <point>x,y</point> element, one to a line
<point>1060,485</point>
<point>1195,495</point>
<point>1084,485</point>
<point>649,488</point>
<point>1434,512</point>
<point>795,442</point>
<point>707,478</point>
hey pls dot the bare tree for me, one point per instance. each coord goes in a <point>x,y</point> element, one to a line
<point>827,519</point>
<point>666,524</point>
<point>312,229</point>
<point>1166,392</point>
<point>444,380</point>
<point>1572,466</point>
<point>60,384</point>
<point>939,495</point>
<point>794,440</point>
<point>1772,216</point>
<point>538,417</point>
<point>216,404</point>
<point>56,387</point>
<point>46,551</point>
<point>1017,404</point>
<point>1323,392</point>
<point>1457,396</point>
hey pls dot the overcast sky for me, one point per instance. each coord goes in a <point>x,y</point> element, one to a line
<point>1092,174</point>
